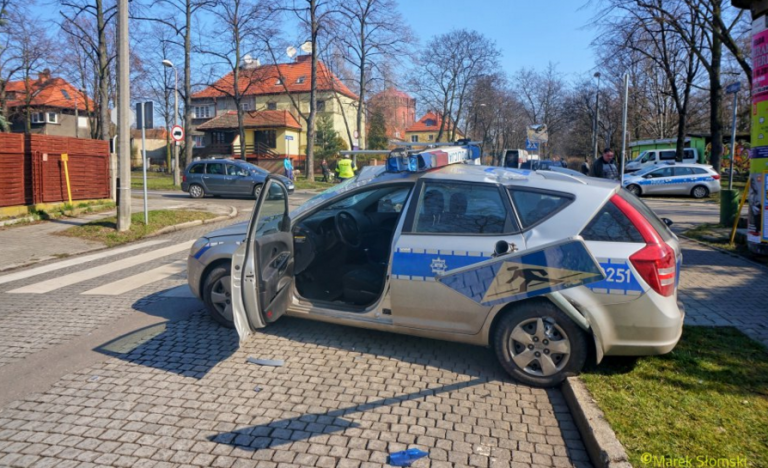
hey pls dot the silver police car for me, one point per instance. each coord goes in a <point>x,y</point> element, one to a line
<point>539,266</point>
<point>696,180</point>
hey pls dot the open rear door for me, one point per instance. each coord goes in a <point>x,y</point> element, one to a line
<point>262,266</point>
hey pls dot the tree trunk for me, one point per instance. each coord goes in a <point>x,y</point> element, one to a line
<point>361,98</point>
<point>715,97</point>
<point>104,124</point>
<point>187,87</point>
<point>310,166</point>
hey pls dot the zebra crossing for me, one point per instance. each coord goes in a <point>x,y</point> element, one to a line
<point>173,268</point>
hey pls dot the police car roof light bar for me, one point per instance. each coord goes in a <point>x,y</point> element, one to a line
<point>420,161</point>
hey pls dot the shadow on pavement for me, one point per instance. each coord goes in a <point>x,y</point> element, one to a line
<point>286,431</point>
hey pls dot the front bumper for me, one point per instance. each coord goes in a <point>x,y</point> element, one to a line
<point>195,270</point>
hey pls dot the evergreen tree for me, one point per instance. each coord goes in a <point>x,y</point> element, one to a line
<point>377,131</point>
<point>328,143</point>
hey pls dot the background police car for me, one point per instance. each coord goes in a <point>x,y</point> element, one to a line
<point>696,180</point>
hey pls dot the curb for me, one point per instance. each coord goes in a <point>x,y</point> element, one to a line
<point>603,447</point>
<point>189,224</point>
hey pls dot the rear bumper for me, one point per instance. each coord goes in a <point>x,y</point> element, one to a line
<point>185,186</point>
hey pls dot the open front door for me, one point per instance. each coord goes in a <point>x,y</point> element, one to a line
<point>262,266</point>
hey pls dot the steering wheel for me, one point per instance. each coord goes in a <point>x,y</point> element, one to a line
<point>348,229</point>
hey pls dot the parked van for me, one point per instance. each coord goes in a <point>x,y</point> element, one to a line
<point>661,156</point>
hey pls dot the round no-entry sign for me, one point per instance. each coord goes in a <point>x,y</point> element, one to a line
<point>177,133</point>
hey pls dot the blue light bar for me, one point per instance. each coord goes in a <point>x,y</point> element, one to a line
<point>401,161</point>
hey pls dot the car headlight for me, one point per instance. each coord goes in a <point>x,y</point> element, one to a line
<point>198,246</point>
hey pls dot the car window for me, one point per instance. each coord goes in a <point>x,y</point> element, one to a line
<point>647,157</point>
<point>534,207</point>
<point>232,169</point>
<point>451,208</point>
<point>273,211</point>
<point>667,155</point>
<point>640,206</point>
<point>611,225</point>
<point>215,168</point>
<point>683,171</point>
<point>699,170</point>
<point>665,172</point>
<point>196,168</point>
<point>394,202</point>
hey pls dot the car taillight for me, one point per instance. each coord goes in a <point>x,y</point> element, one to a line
<point>716,176</point>
<point>656,262</point>
<point>184,178</point>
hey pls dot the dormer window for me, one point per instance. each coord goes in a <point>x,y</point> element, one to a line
<point>300,79</point>
<point>278,82</point>
<point>430,123</point>
<point>66,95</point>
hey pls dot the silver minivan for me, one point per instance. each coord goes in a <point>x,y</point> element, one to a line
<point>661,156</point>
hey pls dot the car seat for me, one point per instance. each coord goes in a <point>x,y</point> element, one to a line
<point>457,210</point>
<point>432,211</point>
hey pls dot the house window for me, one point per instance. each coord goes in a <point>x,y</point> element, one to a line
<point>266,137</point>
<point>321,106</point>
<point>38,117</point>
<point>82,122</point>
<point>219,138</point>
<point>203,112</point>
<point>246,106</point>
<point>414,138</point>
<point>431,138</point>
<point>198,140</point>
<point>66,95</point>
<point>271,106</point>
<point>52,117</point>
<point>300,79</point>
<point>430,123</point>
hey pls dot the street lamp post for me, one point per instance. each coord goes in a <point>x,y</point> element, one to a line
<point>169,64</point>
<point>597,119</point>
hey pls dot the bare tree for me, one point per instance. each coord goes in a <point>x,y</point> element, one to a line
<point>371,33</point>
<point>243,28</point>
<point>89,21</point>
<point>543,95</point>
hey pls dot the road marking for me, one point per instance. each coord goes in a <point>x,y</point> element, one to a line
<point>102,270</point>
<point>74,261</point>
<point>124,285</point>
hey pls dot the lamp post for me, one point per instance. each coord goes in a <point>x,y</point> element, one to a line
<point>169,64</point>
<point>597,119</point>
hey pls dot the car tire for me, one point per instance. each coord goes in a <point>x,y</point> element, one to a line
<point>700,191</point>
<point>196,191</point>
<point>257,190</point>
<point>635,190</point>
<point>216,295</point>
<point>526,338</point>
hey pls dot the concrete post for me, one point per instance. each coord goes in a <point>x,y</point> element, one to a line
<point>123,121</point>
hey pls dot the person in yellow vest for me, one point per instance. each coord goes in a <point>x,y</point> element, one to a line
<point>345,168</point>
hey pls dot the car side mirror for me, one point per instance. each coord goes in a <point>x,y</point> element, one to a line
<point>668,222</point>
<point>647,176</point>
<point>503,248</point>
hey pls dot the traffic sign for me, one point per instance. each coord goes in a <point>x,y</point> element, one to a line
<point>733,88</point>
<point>177,133</point>
<point>289,137</point>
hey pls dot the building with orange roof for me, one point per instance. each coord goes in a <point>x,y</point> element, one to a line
<point>398,108</point>
<point>56,107</point>
<point>428,127</point>
<point>274,127</point>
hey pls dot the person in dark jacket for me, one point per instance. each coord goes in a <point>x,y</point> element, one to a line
<point>326,170</point>
<point>585,168</point>
<point>604,167</point>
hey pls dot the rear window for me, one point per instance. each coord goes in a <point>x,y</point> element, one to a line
<point>196,169</point>
<point>535,207</point>
<point>683,171</point>
<point>611,225</point>
<point>657,223</point>
<point>699,170</point>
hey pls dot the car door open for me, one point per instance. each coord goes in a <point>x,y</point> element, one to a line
<point>262,266</point>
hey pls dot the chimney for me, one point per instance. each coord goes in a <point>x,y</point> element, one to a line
<point>44,75</point>
<point>304,58</point>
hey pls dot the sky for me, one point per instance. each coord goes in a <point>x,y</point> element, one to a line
<point>530,33</point>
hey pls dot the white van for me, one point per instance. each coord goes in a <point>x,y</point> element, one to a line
<point>661,156</point>
<point>514,158</point>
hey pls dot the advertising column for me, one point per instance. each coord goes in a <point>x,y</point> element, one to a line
<point>757,229</point>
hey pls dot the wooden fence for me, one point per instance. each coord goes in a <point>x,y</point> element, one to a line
<point>31,169</point>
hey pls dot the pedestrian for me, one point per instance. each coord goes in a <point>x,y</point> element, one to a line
<point>345,168</point>
<point>288,167</point>
<point>326,170</point>
<point>585,167</point>
<point>604,167</point>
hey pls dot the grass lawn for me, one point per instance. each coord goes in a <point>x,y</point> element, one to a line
<point>155,181</point>
<point>104,231</point>
<point>707,398</point>
<point>302,183</point>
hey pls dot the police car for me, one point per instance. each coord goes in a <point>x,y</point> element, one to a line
<point>541,266</point>
<point>696,180</point>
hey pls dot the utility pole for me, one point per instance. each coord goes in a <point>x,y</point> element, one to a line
<point>169,64</point>
<point>624,127</point>
<point>123,122</point>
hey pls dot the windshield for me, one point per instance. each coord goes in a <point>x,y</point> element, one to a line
<point>639,157</point>
<point>252,167</point>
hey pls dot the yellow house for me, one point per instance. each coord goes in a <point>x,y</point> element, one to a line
<point>275,99</point>
<point>427,129</point>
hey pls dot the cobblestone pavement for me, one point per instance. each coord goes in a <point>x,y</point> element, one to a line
<point>345,397</point>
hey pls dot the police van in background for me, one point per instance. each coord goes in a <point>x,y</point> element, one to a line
<point>661,156</point>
